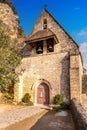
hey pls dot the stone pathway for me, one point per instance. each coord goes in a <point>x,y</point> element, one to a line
<point>55,121</point>
<point>36,118</point>
<point>12,117</point>
<point>8,107</point>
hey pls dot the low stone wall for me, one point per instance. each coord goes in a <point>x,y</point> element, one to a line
<point>79,115</point>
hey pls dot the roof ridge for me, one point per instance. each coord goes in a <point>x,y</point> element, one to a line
<point>60,26</point>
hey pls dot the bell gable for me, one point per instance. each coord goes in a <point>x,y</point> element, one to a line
<point>47,22</point>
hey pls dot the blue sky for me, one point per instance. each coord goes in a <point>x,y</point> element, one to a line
<point>71,14</point>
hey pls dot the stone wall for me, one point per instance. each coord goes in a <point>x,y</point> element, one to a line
<point>79,115</point>
<point>76,72</point>
<point>52,68</point>
<point>84,101</point>
<point>84,84</point>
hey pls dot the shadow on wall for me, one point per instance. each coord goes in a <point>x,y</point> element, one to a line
<point>65,79</point>
<point>26,51</point>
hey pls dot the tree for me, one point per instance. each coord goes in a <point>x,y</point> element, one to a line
<point>9,59</point>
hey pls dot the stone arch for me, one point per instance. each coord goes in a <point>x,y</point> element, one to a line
<point>35,86</point>
<point>39,82</point>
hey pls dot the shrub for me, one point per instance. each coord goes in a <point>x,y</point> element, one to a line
<point>26,99</point>
<point>9,95</point>
<point>64,106</point>
<point>58,99</point>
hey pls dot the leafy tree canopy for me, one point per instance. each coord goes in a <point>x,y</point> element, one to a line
<point>9,59</point>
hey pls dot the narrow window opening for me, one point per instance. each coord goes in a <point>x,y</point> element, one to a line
<point>50,45</point>
<point>39,47</point>
<point>45,24</point>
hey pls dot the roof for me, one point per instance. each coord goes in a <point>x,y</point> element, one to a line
<point>40,35</point>
<point>60,26</point>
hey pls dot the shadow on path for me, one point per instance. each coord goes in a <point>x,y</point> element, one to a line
<point>46,120</point>
<point>55,121</point>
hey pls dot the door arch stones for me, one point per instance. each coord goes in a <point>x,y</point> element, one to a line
<point>46,90</point>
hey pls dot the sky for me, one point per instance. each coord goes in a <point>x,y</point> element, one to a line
<point>71,14</point>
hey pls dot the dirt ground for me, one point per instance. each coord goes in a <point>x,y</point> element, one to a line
<point>46,120</point>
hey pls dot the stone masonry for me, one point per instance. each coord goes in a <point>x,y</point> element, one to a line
<point>36,71</point>
<point>84,83</point>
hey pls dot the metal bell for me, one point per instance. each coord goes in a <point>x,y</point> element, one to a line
<point>50,48</point>
<point>39,50</point>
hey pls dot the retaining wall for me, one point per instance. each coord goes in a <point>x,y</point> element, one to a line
<point>79,115</point>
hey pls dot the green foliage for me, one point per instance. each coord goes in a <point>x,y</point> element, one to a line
<point>9,59</point>
<point>10,5</point>
<point>9,95</point>
<point>1,12</point>
<point>64,106</point>
<point>26,99</point>
<point>58,99</point>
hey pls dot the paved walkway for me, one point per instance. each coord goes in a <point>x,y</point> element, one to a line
<point>11,117</point>
<point>36,118</point>
<point>55,121</point>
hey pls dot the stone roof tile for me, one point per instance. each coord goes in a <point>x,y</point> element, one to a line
<point>42,34</point>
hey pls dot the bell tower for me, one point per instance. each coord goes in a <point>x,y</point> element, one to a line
<point>43,41</point>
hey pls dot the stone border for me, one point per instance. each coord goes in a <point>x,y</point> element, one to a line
<point>79,115</point>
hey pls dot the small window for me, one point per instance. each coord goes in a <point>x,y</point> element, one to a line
<point>45,24</point>
<point>39,47</point>
<point>50,45</point>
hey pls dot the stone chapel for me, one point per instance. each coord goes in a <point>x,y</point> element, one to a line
<point>51,64</point>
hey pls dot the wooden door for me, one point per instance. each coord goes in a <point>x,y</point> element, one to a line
<point>43,94</point>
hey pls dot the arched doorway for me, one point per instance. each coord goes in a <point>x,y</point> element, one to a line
<point>43,94</point>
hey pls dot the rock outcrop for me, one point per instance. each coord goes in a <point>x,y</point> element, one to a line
<point>9,19</point>
<point>10,22</point>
